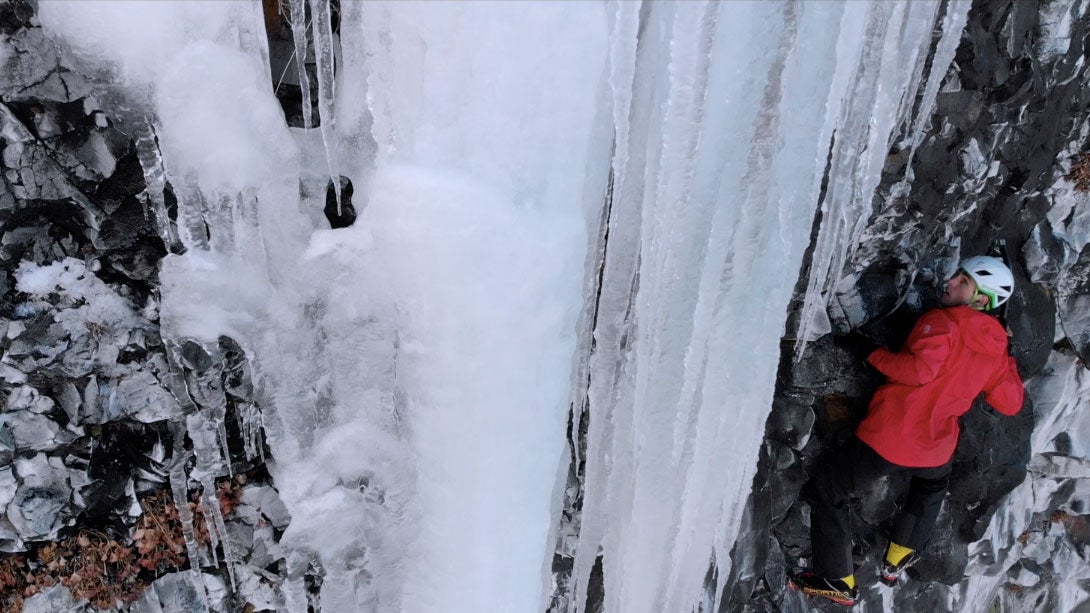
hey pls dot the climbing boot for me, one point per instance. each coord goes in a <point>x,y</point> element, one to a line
<point>836,590</point>
<point>890,573</point>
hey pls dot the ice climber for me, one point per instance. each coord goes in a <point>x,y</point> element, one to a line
<point>952,355</point>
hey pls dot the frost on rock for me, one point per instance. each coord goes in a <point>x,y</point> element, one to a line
<point>86,380</point>
<point>1037,537</point>
<point>85,329</point>
<point>1057,250</point>
<point>54,599</point>
<point>44,501</point>
<point>183,593</point>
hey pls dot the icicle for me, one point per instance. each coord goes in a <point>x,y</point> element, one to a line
<point>248,419</point>
<point>213,532</point>
<point>151,162</point>
<point>324,59</point>
<point>926,11</point>
<point>379,39</point>
<point>622,73</point>
<point>217,528</point>
<point>209,442</point>
<point>294,586</point>
<point>193,228</point>
<point>957,14</point>
<point>622,60</point>
<point>179,487</point>
<point>299,33</point>
<point>224,450</point>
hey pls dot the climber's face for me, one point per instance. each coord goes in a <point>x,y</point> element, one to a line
<point>960,290</point>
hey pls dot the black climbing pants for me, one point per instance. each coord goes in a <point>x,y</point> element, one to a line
<point>848,470</point>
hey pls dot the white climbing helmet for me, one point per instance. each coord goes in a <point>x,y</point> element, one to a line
<point>992,277</point>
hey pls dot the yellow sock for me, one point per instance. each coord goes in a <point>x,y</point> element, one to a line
<point>896,553</point>
<point>850,580</point>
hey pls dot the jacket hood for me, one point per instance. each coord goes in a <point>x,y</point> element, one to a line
<point>981,333</point>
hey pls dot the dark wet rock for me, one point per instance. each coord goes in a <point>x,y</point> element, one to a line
<point>342,213</point>
<point>792,421</point>
<point>1030,317</point>
<point>125,452</point>
<point>16,15</point>
<point>32,69</point>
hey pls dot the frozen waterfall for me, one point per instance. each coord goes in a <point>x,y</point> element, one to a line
<point>594,208</point>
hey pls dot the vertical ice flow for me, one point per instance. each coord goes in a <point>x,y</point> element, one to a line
<point>179,486</point>
<point>355,142</point>
<point>606,314</point>
<point>484,239</point>
<point>221,143</point>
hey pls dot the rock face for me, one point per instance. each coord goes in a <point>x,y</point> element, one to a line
<point>97,411</point>
<point>1002,161</point>
<point>80,347</point>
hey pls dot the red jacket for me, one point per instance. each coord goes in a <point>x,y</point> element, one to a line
<point>952,355</point>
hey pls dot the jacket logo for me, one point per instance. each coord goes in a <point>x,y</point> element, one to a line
<point>927,329</point>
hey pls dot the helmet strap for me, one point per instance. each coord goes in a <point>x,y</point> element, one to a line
<point>977,294</point>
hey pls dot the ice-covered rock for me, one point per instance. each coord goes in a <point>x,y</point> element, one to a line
<point>27,398</point>
<point>8,487</point>
<point>32,70</point>
<point>266,501</point>
<point>30,431</point>
<point>54,599</point>
<point>44,501</point>
<point>180,593</point>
